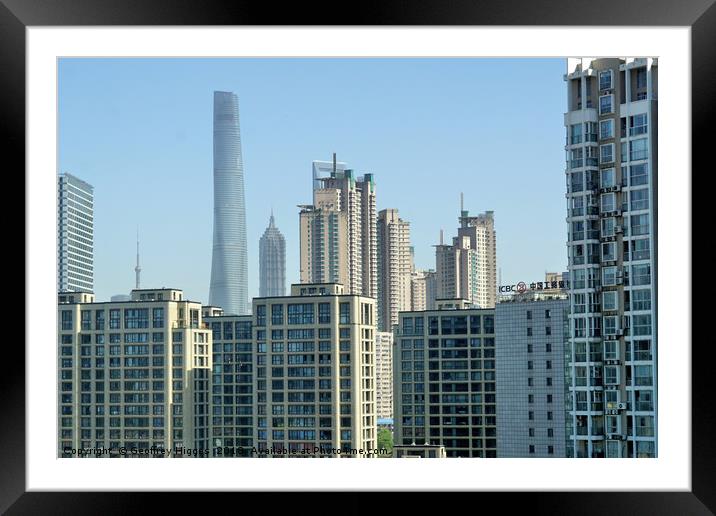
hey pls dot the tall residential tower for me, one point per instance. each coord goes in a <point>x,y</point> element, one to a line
<point>611,147</point>
<point>467,269</point>
<point>75,234</point>
<point>229,267</point>
<point>395,264</point>
<point>338,231</point>
<point>272,262</point>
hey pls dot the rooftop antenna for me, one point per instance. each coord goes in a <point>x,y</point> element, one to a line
<point>334,163</point>
<point>441,236</point>
<point>137,269</point>
<point>461,204</point>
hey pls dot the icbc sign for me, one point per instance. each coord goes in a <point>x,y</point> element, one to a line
<point>523,287</point>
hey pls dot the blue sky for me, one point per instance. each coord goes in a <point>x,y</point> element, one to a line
<point>140,131</point>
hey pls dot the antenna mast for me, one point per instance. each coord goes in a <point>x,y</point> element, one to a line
<point>137,269</point>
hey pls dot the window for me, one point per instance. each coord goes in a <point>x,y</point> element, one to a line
<point>641,324</point>
<point>639,199</point>
<point>300,313</point>
<point>640,224</point>
<point>609,276</point>
<point>610,325</point>
<point>609,251</point>
<point>609,300</point>
<point>66,319</point>
<point>547,314</point>
<point>641,78</point>
<point>606,105</point>
<point>642,375</point>
<point>608,226</point>
<point>345,313</point>
<point>606,153</point>
<point>577,182</point>
<point>641,299</point>
<point>261,315</point>
<point>158,317</point>
<point>637,125</point>
<point>606,129</point>
<point>639,174</point>
<point>529,314</point>
<point>276,314</point>
<point>575,134</point>
<point>324,313</point>
<point>608,203</point>
<point>638,149</point>
<point>605,80</point>
<point>608,176</point>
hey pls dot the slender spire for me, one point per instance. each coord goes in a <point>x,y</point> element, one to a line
<point>137,269</point>
<point>271,221</point>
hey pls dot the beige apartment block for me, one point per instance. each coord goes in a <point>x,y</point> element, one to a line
<point>338,234</point>
<point>315,381</point>
<point>133,376</point>
<point>395,266</point>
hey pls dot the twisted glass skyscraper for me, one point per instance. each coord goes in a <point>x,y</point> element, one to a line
<point>229,282</point>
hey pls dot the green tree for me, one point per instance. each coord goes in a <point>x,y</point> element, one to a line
<point>385,441</point>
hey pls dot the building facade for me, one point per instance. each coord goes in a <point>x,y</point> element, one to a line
<point>338,232</point>
<point>232,398</point>
<point>444,382</point>
<point>272,262</point>
<point>229,267</point>
<point>133,374</point>
<point>75,234</point>
<point>394,268</point>
<point>384,374</point>
<point>532,335</point>
<point>611,171</point>
<point>467,268</point>
<point>315,381</point>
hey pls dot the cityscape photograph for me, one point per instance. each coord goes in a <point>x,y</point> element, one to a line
<point>357,258</point>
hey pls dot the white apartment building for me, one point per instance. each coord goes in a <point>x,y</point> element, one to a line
<point>611,172</point>
<point>133,375</point>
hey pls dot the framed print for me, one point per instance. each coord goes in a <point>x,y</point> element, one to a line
<point>356,318</point>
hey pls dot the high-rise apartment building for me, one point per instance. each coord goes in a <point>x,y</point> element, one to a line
<point>483,280</point>
<point>232,400</point>
<point>417,291</point>
<point>338,231</point>
<point>444,379</point>
<point>423,291</point>
<point>229,267</point>
<point>384,375</point>
<point>75,234</point>
<point>272,262</point>
<point>532,333</point>
<point>394,268</point>
<point>133,374</point>
<point>315,381</point>
<point>467,268</point>
<point>611,172</point>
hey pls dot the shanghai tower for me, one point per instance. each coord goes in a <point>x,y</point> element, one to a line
<point>229,275</point>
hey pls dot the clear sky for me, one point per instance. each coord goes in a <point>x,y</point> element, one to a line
<point>140,131</point>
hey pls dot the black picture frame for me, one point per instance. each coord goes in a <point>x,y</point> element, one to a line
<point>17,15</point>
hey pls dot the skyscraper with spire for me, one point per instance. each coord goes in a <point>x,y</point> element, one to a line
<point>272,262</point>
<point>229,267</point>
